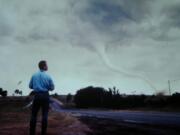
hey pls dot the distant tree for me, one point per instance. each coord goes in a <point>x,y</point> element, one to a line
<point>174,100</point>
<point>69,98</point>
<point>114,90</point>
<point>1,89</point>
<point>55,94</point>
<point>156,101</point>
<point>110,91</point>
<point>3,93</point>
<point>18,92</point>
<point>90,97</point>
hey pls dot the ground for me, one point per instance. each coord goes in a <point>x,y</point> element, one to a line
<point>14,120</point>
<point>101,126</point>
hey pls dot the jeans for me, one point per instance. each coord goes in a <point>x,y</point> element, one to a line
<point>41,100</point>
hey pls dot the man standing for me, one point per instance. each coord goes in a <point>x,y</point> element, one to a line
<point>41,83</point>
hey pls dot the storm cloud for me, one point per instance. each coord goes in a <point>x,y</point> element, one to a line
<point>139,37</point>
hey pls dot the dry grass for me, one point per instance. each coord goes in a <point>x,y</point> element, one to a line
<point>15,121</point>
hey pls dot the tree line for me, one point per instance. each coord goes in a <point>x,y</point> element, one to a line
<point>4,93</point>
<point>98,97</point>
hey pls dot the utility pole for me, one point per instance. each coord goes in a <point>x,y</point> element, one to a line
<point>169,84</point>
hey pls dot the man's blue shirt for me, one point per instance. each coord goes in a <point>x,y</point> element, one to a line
<point>41,81</point>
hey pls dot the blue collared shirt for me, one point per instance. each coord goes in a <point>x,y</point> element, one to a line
<point>41,81</point>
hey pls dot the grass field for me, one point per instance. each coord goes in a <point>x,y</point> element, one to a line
<point>15,121</point>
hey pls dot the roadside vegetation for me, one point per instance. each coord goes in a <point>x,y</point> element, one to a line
<point>97,97</point>
<point>14,120</point>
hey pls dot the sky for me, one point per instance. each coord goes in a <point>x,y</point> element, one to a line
<point>130,44</point>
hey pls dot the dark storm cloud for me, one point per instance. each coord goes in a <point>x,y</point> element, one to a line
<point>105,14</point>
<point>140,36</point>
<point>110,12</point>
<point>173,13</point>
<point>169,23</point>
<point>138,9</point>
<point>111,18</point>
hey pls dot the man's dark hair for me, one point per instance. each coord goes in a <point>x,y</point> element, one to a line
<point>42,64</point>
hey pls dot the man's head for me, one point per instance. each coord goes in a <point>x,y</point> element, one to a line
<point>43,65</point>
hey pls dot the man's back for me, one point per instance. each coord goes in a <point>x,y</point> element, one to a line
<point>41,81</point>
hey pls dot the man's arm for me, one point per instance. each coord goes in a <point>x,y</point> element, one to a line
<point>31,83</point>
<point>51,84</point>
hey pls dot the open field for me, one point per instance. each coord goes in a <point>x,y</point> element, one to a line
<point>14,120</point>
